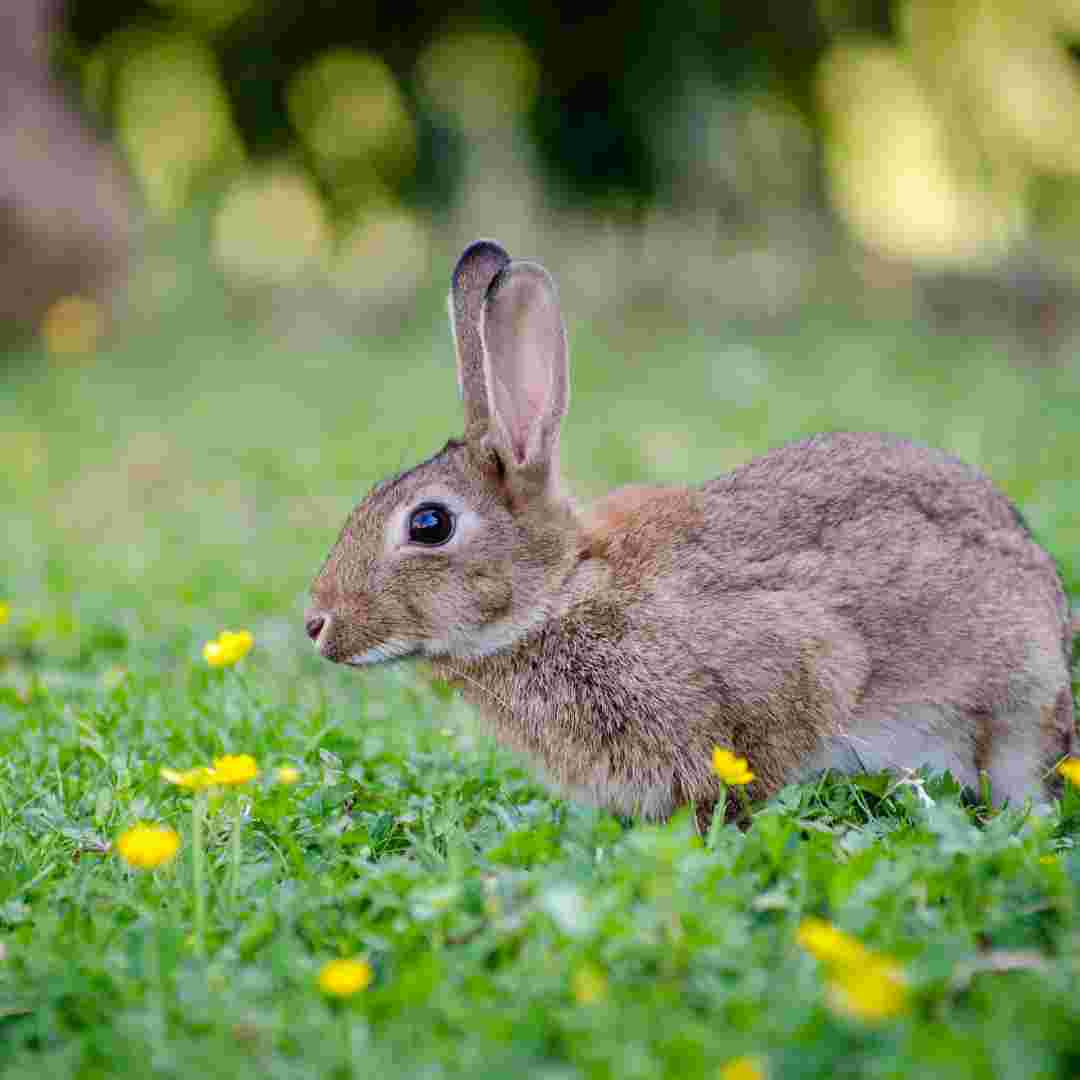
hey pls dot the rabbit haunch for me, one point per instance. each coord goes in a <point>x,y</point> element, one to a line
<point>851,601</point>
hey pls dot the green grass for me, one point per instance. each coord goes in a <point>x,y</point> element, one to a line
<point>192,477</point>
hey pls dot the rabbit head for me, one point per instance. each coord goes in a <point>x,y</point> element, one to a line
<point>454,557</point>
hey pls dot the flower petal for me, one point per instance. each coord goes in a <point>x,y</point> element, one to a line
<point>343,978</point>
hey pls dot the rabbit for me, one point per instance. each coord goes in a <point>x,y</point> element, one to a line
<point>851,601</point>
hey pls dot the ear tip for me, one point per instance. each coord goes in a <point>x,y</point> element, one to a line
<point>484,258</point>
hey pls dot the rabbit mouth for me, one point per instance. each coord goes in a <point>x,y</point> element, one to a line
<point>384,653</point>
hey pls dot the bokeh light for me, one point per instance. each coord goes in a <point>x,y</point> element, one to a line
<point>481,79</point>
<point>72,326</point>
<point>271,228</point>
<point>173,119</point>
<point>888,165</point>
<point>1008,69</point>
<point>382,257</point>
<point>347,108</point>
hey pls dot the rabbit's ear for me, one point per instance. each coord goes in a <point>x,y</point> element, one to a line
<point>476,268</point>
<point>525,368</point>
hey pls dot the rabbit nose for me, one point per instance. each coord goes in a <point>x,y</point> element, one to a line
<point>314,621</point>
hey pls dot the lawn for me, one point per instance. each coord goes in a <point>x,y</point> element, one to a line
<point>190,477</point>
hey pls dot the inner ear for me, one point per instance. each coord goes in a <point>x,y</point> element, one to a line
<point>525,365</point>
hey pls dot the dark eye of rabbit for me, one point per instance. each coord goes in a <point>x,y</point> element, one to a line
<point>431,524</point>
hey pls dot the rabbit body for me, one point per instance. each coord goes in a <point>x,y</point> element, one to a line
<point>852,601</point>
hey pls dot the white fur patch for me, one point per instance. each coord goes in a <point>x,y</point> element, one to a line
<point>379,654</point>
<point>905,738</point>
<point>484,640</point>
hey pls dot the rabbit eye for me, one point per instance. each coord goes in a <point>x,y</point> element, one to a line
<point>431,524</point>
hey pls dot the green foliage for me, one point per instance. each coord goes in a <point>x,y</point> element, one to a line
<point>192,482</point>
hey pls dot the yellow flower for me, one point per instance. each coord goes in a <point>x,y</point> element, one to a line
<point>228,770</point>
<point>343,978</point>
<point>148,846</point>
<point>742,1068</point>
<point>5,612</point>
<point>288,774</point>
<point>196,779</point>
<point>872,992</point>
<point>588,984</point>
<point>234,769</point>
<point>1048,860</point>
<point>830,944</point>
<point>731,769</point>
<point>228,647</point>
<point>1070,769</point>
<point>862,984</point>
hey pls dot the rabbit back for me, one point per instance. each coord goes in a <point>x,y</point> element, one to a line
<point>853,601</point>
<point>961,614</point>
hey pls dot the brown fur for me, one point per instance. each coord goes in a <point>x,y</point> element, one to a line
<point>612,522</point>
<point>852,601</point>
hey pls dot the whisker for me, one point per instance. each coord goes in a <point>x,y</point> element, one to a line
<point>480,686</point>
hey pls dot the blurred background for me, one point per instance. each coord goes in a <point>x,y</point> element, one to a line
<point>919,155</point>
<point>227,227</point>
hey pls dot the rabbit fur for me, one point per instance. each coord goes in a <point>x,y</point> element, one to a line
<point>851,601</point>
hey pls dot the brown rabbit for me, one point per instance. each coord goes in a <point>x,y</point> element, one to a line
<point>852,601</point>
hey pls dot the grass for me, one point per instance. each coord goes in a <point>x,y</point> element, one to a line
<point>191,477</point>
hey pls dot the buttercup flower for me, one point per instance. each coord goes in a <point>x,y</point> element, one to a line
<point>830,944</point>
<point>871,992</point>
<point>5,612</point>
<point>287,774</point>
<point>228,647</point>
<point>229,770</point>
<point>196,779</point>
<point>741,1068</point>
<point>343,978</point>
<point>734,771</point>
<point>234,769</point>
<point>1070,769</point>
<point>862,983</point>
<point>146,847</point>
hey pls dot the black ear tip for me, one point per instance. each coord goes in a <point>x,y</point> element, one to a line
<point>497,282</point>
<point>481,259</point>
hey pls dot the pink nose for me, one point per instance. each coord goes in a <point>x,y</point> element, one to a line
<point>314,621</point>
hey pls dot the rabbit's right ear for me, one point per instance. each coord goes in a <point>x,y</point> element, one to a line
<point>525,368</point>
<point>475,270</point>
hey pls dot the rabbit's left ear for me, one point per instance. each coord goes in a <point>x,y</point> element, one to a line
<point>525,369</point>
<point>478,265</point>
